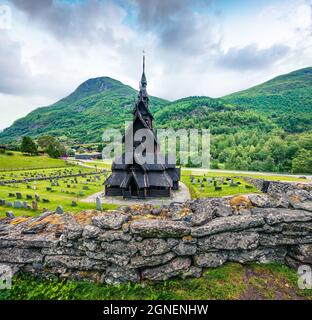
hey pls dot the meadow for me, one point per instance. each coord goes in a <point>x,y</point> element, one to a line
<point>18,161</point>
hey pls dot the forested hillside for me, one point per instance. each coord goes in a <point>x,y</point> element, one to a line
<point>265,128</point>
<point>286,99</point>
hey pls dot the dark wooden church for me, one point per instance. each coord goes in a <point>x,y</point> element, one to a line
<point>133,178</point>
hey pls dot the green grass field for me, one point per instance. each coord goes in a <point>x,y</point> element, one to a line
<point>231,281</point>
<point>18,161</point>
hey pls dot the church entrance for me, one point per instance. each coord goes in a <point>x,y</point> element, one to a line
<point>133,188</point>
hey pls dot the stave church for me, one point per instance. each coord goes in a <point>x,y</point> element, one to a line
<point>130,178</point>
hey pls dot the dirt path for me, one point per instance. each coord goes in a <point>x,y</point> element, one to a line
<point>181,195</point>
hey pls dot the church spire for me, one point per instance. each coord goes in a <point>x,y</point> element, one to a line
<point>143,82</point>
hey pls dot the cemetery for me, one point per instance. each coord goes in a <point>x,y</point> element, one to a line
<point>206,185</point>
<point>31,192</point>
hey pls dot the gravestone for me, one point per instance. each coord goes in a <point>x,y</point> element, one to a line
<point>74,203</point>
<point>2,202</point>
<point>18,195</point>
<point>48,188</point>
<point>59,210</point>
<point>81,194</point>
<point>25,204</point>
<point>85,188</point>
<point>37,197</point>
<point>34,205</point>
<point>29,197</point>
<point>18,205</point>
<point>9,204</point>
<point>98,202</point>
<point>45,200</point>
<point>10,215</point>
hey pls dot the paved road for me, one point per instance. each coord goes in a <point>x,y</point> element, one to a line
<point>249,172</point>
<point>84,164</point>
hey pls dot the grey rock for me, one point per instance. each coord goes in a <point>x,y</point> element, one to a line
<point>74,262</point>
<point>185,249</point>
<point>119,247</point>
<point>113,235</point>
<point>232,223</point>
<point>202,212</point>
<point>18,255</point>
<point>192,272</point>
<point>287,215</point>
<point>72,231</point>
<point>159,228</point>
<point>210,259</point>
<point>117,259</point>
<point>110,220</point>
<point>259,200</point>
<point>175,267</point>
<point>116,275</point>
<point>272,240</point>
<point>261,255</point>
<point>229,241</point>
<point>90,245</point>
<point>223,211</point>
<point>301,253</point>
<point>90,231</point>
<point>149,247</point>
<point>305,205</point>
<point>150,261</point>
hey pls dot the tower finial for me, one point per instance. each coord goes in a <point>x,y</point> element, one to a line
<point>143,82</point>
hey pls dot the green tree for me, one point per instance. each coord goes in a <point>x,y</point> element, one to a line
<point>29,146</point>
<point>45,141</point>
<point>302,163</point>
<point>51,146</point>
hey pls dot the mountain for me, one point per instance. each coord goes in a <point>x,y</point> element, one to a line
<point>267,127</point>
<point>286,99</point>
<point>82,116</point>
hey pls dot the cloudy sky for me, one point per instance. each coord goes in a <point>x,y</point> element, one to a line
<point>193,47</point>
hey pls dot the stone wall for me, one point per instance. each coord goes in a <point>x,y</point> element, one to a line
<point>144,243</point>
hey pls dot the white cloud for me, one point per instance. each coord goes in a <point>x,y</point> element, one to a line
<point>54,46</point>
